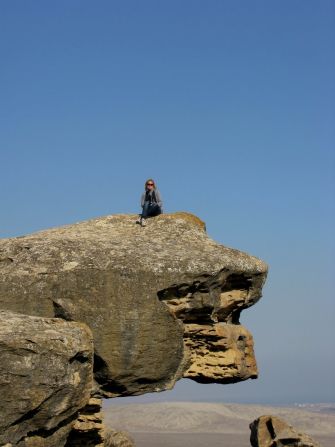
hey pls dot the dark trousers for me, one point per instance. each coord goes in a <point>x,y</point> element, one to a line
<point>150,210</point>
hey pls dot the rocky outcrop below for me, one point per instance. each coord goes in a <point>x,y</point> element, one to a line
<point>45,378</point>
<point>270,431</point>
<point>88,430</point>
<point>116,438</point>
<point>163,302</point>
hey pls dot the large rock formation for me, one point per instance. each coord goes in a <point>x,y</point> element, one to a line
<point>271,431</point>
<point>46,375</point>
<point>163,302</point>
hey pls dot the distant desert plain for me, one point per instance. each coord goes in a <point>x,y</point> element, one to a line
<point>195,424</point>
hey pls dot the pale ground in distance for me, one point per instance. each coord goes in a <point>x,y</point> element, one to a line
<point>186,424</point>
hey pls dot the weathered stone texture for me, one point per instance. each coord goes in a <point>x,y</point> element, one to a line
<point>220,353</point>
<point>144,292</point>
<point>46,376</point>
<point>116,438</point>
<point>217,347</point>
<point>88,430</point>
<point>271,431</point>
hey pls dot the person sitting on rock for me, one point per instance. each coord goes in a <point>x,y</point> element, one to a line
<point>151,202</point>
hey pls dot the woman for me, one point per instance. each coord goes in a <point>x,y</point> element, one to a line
<point>151,202</point>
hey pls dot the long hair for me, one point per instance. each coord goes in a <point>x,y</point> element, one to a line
<point>151,181</point>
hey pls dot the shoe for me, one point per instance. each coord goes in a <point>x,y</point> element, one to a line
<point>143,223</point>
<point>139,220</point>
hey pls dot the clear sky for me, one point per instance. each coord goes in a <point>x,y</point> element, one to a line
<point>229,105</point>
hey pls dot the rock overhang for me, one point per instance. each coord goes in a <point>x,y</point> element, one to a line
<point>143,292</point>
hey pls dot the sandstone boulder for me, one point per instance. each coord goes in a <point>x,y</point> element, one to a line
<point>163,302</point>
<point>46,375</point>
<point>270,431</point>
<point>116,438</point>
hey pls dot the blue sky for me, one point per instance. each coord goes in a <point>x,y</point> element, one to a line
<point>229,106</point>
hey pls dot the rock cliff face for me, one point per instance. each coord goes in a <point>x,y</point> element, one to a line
<point>163,302</point>
<point>45,378</point>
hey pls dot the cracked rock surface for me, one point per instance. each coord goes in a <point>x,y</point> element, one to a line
<point>45,378</point>
<point>163,301</point>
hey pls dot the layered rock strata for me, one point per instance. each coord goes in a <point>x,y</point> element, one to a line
<point>163,302</point>
<point>46,376</point>
<point>88,430</point>
<point>271,431</point>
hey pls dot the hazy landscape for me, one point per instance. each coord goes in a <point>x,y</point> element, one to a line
<point>174,424</point>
